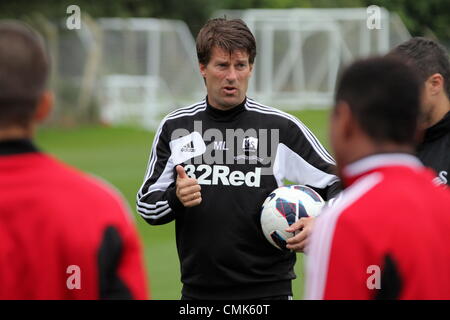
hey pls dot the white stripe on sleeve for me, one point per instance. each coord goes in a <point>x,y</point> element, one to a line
<point>322,236</point>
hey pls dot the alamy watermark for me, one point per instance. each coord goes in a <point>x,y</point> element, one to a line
<point>74,280</point>
<point>74,20</point>
<point>238,146</point>
<point>373,17</point>
<point>374,280</point>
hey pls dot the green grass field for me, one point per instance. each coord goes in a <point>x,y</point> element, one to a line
<point>120,156</point>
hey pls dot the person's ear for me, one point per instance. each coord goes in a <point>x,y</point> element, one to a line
<point>44,107</point>
<point>202,70</point>
<point>434,84</point>
<point>346,119</point>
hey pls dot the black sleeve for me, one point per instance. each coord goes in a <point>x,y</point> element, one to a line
<point>109,255</point>
<point>157,202</point>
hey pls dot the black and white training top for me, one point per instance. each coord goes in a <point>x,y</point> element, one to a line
<point>434,151</point>
<point>239,157</point>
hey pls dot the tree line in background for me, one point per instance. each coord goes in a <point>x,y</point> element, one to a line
<point>422,18</point>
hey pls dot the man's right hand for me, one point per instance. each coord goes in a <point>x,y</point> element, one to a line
<point>187,189</point>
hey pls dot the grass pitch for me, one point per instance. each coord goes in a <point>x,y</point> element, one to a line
<point>120,155</point>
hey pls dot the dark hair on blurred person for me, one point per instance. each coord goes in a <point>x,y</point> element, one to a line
<point>428,56</point>
<point>384,95</point>
<point>229,35</point>
<point>24,69</point>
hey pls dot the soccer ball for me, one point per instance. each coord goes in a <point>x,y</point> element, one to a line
<point>283,207</point>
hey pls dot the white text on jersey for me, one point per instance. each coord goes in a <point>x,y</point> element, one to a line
<point>211,175</point>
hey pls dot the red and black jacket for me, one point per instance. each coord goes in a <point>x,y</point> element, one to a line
<point>63,234</point>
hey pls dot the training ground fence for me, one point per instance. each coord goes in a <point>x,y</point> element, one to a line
<point>133,71</point>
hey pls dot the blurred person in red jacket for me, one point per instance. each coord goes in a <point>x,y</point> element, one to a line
<point>387,236</point>
<point>63,234</point>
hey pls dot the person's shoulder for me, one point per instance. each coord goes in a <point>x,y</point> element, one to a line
<point>177,118</point>
<point>110,195</point>
<point>84,189</point>
<point>397,192</point>
<point>360,196</point>
<point>353,208</point>
<point>187,111</point>
<point>257,107</point>
<point>272,113</point>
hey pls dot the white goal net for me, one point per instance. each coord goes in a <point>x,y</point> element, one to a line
<point>301,51</point>
<point>136,70</point>
<point>149,67</point>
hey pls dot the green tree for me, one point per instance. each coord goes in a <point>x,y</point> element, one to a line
<point>422,18</point>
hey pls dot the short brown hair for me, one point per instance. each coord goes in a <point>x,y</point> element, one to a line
<point>428,56</point>
<point>229,35</point>
<point>383,94</point>
<point>23,73</point>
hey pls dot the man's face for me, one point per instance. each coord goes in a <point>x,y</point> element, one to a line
<point>226,77</point>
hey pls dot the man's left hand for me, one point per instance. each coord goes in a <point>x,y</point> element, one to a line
<point>299,242</point>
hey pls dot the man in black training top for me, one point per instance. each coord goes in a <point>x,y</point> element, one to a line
<point>213,164</point>
<point>432,62</point>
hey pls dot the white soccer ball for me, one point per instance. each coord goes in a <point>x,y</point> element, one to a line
<point>283,207</point>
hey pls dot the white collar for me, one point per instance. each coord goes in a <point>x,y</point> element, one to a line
<point>381,160</point>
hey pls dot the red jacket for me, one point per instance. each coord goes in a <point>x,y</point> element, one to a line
<point>386,238</point>
<point>63,234</point>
